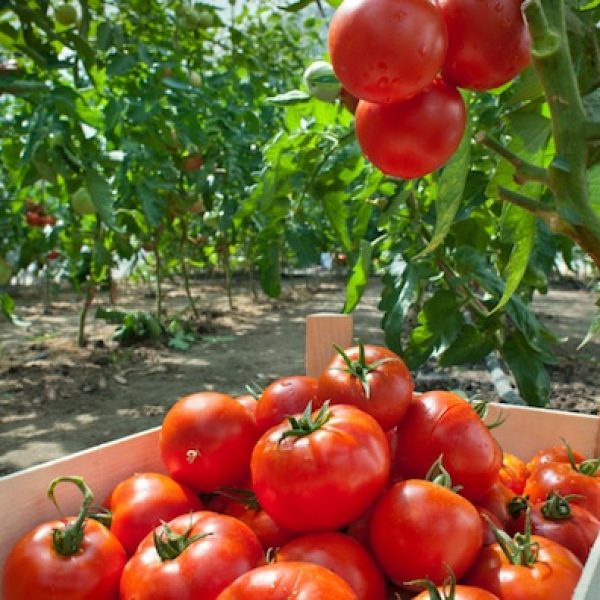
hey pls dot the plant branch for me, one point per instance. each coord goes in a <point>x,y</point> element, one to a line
<point>592,131</point>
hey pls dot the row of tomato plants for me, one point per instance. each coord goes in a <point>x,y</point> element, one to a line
<point>347,486</point>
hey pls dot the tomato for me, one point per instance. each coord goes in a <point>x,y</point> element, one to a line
<point>344,556</point>
<point>372,378</point>
<point>139,503</point>
<point>53,255</point>
<point>552,576</point>
<point>249,402</point>
<point>33,219</point>
<point>192,163</point>
<point>206,440</point>
<point>387,50</point>
<point>513,472</point>
<point>211,551</point>
<point>442,423</point>
<point>557,519</point>
<point>284,397</point>
<point>488,42</point>
<point>496,501</point>
<point>419,529</point>
<point>58,566</point>
<point>281,581</point>
<point>413,137</point>
<point>552,454</point>
<point>461,592</point>
<point>563,478</point>
<point>321,471</point>
<point>66,14</point>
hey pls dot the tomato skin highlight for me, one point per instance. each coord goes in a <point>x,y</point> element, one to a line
<point>344,556</point>
<point>282,581</point>
<point>206,440</point>
<point>33,569</point>
<point>442,423</point>
<point>488,42</point>
<point>513,472</point>
<point>390,385</point>
<point>553,576</point>
<point>139,503</point>
<point>552,454</point>
<point>418,529</point>
<point>203,570</point>
<point>462,592</point>
<point>385,51</point>
<point>413,137</point>
<point>304,483</point>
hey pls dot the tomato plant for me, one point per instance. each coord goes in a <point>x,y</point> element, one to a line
<point>384,51</point>
<point>194,555</point>
<point>73,558</point>
<point>206,440</point>
<point>413,137</point>
<point>300,469</point>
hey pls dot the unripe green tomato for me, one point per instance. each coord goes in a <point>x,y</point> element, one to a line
<point>205,19</point>
<point>195,79</point>
<point>188,17</point>
<point>5,272</point>
<point>321,81</point>
<point>82,202</point>
<point>66,14</point>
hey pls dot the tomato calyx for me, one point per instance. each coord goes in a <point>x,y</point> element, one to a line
<point>360,368</point>
<point>68,541</point>
<point>246,498</point>
<point>448,591</point>
<point>439,475</point>
<point>587,467</point>
<point>517,506</point>
<point>169,545</point>
<point>482,408</point>
<point>307,424</point>
<point>558,507</point>
<point>520,549</point>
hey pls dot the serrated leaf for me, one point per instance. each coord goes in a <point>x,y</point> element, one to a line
<point>101,194</point>
<point>152,204</point>
<point>289,98</point>
<point>450,192</point>
<point>334,205</point>
<point>527,368</point>
<point>359,278</point>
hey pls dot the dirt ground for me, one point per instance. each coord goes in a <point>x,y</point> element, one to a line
<point>56,398</point>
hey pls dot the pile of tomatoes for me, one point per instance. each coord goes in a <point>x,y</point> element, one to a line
<point>349,486</point>
<point>405,60</point>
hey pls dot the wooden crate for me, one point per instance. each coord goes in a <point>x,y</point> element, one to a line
<point>23,502</point>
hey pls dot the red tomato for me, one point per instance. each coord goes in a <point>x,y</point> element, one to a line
<point>419,529</point>
<point>224,549</point>
<point>443,423</point>
<point>377,382</point>
<point>192,163</point>
<point>553,576</point>
<point>385,51</point>
<point>496,501</point>
<point>553,454</point>
<point>461,592</point>
<point>413,137</point>
<point>488,42</point>
<point>281,581</point>
<point>563,478</point>
<point>513,472</point>
<point>344,556</point>
<point>325,476</point>
<point>557,519</point>
<point>139,503</point>
<point>284,397</point>
<point>40,566</point>
<point>249,402</point>
<point>53,255</point>
<point>206,440</point>
<point>33,219</point>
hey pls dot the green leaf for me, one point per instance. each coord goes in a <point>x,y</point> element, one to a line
<point>590,5</point>
<point>450,192</point>
<point>120,64</point>
<point>289,98</point>
<point>359,278</point>
<point>111,315</point>
<point>528,369</point>
<point>101,194</point>
<point>593,330</point>
<point>296,6</point>
<point>7,305</point>
<point>471,346</point>
<point>334,205</point>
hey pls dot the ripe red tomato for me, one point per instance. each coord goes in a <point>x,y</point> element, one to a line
<point>496,501</point>
<point>563,478</point>
<point>192,163</point>
<point>139,503</point>
<point>372,378</point>
<point>52,563</point>
<point>284,580</point>
<point>552,454</point>
<point>386,51</point>
<point>419,529</point>
<point>206,440</point>
<point>53,255</point>
<point>249,402</point>
<point>33,219</point>
<point>327,474</point>
<point>488,42</point>
<point>284,397</point>
<point>461,592</point>
<point>513,472</point>
<point>442,423</point>
<point>553,576</point>
<point>413,137</point>
<point>212,552</point>
<point>344,556</point>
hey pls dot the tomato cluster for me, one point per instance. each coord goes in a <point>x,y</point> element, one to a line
<point>405,60</point>
<point>35,215</point>
<point>343,487</point>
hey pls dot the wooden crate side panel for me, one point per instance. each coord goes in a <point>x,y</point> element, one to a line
<point>588,587</point>
<point>24,504</point>
<point>322,331</point>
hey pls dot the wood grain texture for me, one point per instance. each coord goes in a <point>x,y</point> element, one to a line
<point>322,331</point>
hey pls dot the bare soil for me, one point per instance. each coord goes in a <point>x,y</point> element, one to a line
<point>57,398</point>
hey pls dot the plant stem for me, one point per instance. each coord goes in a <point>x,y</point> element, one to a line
<point>185,270</point>
<point>592,131</point>
<point>158,276</point>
